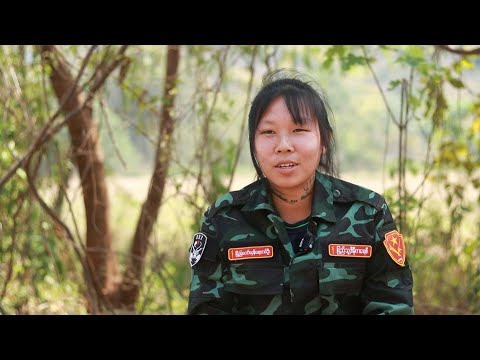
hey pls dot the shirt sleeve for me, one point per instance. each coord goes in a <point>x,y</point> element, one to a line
<point>389,282</point>
<point>206,287</point>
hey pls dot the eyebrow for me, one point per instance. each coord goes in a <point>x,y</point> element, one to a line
<point>266,120</point>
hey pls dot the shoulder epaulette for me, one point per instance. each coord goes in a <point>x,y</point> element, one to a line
<point>232,198</point>
<point>345,191</point>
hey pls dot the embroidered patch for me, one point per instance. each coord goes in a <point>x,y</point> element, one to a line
<point>350,250</point>
<point>250,252</point>
<point>197,248</point>
<point>395,247</point>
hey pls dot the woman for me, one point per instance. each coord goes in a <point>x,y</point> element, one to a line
<point>297,240</point>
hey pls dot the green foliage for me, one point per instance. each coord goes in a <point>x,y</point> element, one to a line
<point>348,56</point>
<point>442,220</point>
<point>437,227</point>
<point>165,289</point>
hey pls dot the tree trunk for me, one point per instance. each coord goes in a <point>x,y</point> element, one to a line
<point>132,278</point>
<point>87,157</point>
<point>89,162</point>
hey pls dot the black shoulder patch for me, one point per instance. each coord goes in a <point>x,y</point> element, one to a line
<point>198,247</point>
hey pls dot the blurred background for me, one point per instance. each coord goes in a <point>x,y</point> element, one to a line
<point>109,155</point>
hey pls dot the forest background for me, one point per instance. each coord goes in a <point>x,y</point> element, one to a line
<point>109,155</point>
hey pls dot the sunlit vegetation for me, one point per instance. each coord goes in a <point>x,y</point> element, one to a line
<point>408,126</point>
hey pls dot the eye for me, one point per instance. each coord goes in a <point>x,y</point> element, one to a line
<point>300,130</point>
<point>266,132</point>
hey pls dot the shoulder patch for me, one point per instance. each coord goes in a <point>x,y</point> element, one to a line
<point>395,247</point>
<point>198,247</point>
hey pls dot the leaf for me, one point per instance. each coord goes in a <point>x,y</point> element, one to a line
<point>415,51</point>
<point>476,126</point>
<point>414,56</point>
<point>331,53</point>
<point>351,60</point>
<point>465,63</point>
<point>456,83</point>
<point>393,84</point>
<point>21,174</point>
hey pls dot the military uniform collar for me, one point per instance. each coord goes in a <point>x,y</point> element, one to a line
<point>323,198</point>
<point>259,198</point>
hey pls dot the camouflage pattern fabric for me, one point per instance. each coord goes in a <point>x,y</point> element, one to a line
<point>312,281</point>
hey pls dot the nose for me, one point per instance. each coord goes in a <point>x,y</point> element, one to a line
<point>284,144</point>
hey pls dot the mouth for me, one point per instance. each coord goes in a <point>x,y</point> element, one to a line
<point>286,165</point>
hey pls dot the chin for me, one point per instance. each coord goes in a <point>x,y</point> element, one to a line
<point>286,183</point>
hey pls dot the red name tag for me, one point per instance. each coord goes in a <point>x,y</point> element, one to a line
<point>250,252</point>
<point>349,250</point>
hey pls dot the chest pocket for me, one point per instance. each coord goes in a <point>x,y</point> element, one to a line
<point>342,277</point>
<point>254,278</point>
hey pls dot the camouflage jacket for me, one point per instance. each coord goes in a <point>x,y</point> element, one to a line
<point>354,263</point>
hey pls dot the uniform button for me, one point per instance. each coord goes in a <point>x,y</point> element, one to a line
<point>336,193</point>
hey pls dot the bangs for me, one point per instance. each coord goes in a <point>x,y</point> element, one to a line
<point>301,107</point>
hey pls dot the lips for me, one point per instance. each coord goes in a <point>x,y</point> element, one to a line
<point>285,165</point>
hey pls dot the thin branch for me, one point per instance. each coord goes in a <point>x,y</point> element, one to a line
<point>45,93</point>
<point>130,122</point>
<point>17,90</point>
<point>166,287</point>
<point>176,286</point>
<point>205,132</point>
<point>46,133</point>
<point>65,176</point>
<point>104,72</point>
<point>271,56</point>
<point>385,151</point>
<point>72,214</point>
<point>244,117</point>
<point>390,112</point>
<point>88,274</point>
<point>100,67</point>
<point>458,51</point>
<point>20,201</point>
<point>110,133</point>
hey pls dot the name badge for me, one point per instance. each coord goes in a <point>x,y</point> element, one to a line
<point>250,252</point>
<point>350,250</point>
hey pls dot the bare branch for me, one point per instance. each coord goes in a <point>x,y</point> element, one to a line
<point>206,128</point>
<point>88,274</point>
<point>458,51</point>
<point>105,71</point>
<point>110,133</point>
<point>390,112</point>
<point>244,117</point>
<point>46,133</point>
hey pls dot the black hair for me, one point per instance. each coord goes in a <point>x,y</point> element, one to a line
<point>304,103</point>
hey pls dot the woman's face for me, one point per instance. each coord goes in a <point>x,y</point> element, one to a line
<point>287,153</point>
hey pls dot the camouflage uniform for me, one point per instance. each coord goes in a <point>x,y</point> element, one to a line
<point>312,281</point>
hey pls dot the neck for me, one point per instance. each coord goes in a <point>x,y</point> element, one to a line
<point>294,208</point>
<point>292,201</point>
